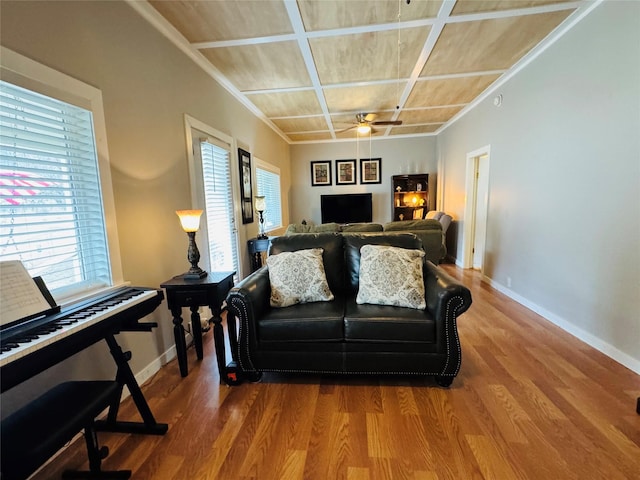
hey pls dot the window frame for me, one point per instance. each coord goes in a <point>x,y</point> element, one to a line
<point>29,74</point>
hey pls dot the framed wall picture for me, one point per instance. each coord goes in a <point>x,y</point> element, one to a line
<point>320,173</point>
<point>370,170</point>
<point>244,158</point>
<point>345,172</point>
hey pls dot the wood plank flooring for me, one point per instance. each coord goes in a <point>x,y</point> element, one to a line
<point>531,402</point>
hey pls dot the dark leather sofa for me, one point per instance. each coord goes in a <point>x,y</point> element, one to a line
<point>340,336</point>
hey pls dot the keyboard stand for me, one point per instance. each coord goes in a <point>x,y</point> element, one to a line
<point>125,376</point>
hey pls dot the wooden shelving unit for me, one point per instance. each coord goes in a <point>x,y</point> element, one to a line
<point>410,194</point>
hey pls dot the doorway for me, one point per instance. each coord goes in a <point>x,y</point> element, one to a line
<point>476,208</point>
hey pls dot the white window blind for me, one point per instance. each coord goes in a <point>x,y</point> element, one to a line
<point>268,184</point>
<point>216,172</point>
<point>51,212</point>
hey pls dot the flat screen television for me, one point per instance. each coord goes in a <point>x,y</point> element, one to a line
<point>346,208</point>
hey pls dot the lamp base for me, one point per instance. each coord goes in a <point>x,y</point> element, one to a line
<point>194,274</point>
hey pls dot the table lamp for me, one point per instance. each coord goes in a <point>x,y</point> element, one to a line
<point>260,205</point>
<point>190,221</point>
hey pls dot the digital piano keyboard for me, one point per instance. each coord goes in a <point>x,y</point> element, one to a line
<point>29,348</point>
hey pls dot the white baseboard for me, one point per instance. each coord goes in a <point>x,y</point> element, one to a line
<point>151,369</point>
<point>588,338</point>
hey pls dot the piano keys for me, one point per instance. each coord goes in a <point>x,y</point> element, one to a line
<point>21,340</point>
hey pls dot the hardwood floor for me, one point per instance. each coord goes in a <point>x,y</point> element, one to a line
<point>531,402</point>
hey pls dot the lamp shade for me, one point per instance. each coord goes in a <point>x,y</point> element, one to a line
<point>189,219</point>
<point>260,203</point>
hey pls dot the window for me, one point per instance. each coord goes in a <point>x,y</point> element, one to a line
<point>52,215</point>
<point>216,175</point>
<point>268,184</point>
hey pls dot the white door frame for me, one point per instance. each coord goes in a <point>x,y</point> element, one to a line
<point>197,194</point>
<point>471,202</point>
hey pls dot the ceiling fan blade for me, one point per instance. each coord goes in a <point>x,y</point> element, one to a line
<point>370,117</point>
<point>347,129</point>
<point>388,122</point>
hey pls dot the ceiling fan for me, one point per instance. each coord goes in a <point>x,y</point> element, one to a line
<point>365,122</point>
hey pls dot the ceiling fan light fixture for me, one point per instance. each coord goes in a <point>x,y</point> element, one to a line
<point>364,129</point>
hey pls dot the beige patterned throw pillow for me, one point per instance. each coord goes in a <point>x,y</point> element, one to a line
<point>298,277</point>
<point>391,276</point>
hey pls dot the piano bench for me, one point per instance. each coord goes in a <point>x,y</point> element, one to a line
<point>34,433</point>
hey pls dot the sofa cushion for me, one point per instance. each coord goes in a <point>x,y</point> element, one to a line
<point>410,225</point>
<point>303,228</point>
<point>391,276</point>
<point>307,322</point>
<point>353,243</point>
<point>434,214</point>
<point>361,227</point>
<point>387,324</point>
<point>332,253</point>
<point>298,277</point>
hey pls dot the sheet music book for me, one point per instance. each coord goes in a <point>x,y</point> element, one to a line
<point>20,296</point>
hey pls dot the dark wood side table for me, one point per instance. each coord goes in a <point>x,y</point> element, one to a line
<point>256,247</point>
<point>209,291</point>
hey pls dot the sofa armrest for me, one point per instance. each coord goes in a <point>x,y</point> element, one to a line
<point>446,299</point>
<point>248,301</point>
<point>440,287</point>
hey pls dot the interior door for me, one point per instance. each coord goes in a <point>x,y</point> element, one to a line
<point>481,203</point>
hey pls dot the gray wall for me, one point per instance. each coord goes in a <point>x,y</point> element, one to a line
<point>148,85</point>
<point>399,157</point>
<point>564,202</point>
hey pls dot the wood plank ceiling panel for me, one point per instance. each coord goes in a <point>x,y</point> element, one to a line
<point>463,7</point>
<point>206,21</point>
<point>332,14</point>
<point>261,66</point>
<point>367,56</point>
<point>429,115</point>
<point>450,91</point>
<point>484,45</point>
<point>415,129</point>
<point>374,98</point>
<point>309,136</point>
<point>306,124</point>
<point>286,104</point>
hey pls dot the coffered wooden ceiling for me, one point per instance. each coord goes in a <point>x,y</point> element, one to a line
<point>307,67</point>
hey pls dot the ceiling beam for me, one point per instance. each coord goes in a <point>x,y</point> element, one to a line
<point>305,50</point>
